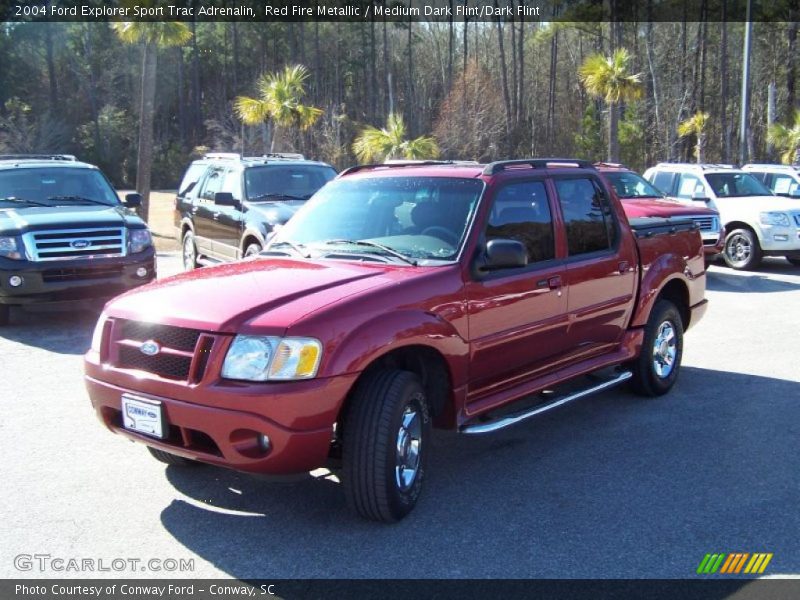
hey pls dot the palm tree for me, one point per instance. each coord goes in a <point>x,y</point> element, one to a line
<point>279,100</point>
<point>151,35</point>
<point>609,78</point>
<point>696,125</point>
<point>375,144</point>
<point>787,140</point>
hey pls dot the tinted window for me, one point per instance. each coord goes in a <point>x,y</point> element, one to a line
<point>212,184</point>
<point>521,212</point>
<point>190,179</point>
<point>587,216</point>
<point>45,184</point>
<point>632,185</point>
<point>293,181</point>
<point>420,217</point>
<point>727,185</point>
<point>663,180</point>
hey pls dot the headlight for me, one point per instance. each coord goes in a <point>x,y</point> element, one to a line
<point>263,358</point>
<point>9,248</point>
<point>97,336</point>
<point>140,240</point>
<point>774,218</point>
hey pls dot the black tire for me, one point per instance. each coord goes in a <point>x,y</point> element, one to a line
<point>793,261</point>
<point>384,405</point>
<point>5,314</point>
<point>171,459</point>
<point>651,377</point>
<point>189,251</point>
<point>252,249</point>
<point>742,250</point>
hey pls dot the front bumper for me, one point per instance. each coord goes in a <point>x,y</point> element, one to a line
<point>780,241</point>
<point>57,281</point>
<point>713,243</point>
<point>219,422</point>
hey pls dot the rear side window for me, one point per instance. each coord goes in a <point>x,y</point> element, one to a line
<point>521,212</point>
<point>190,179</point>
<point>587,215</point>
<point>212,184</point>
<point>663,180</point>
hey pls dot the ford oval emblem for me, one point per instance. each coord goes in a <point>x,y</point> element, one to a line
<point>150,348</point>
<point>80,244</point>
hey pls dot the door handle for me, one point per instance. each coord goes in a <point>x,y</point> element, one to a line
<point>623,266</point>
<point>554,283</point>
<point>215,216</point>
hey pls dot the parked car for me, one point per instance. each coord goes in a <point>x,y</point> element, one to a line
<point>782,180</point>
<point>65,235</point>
<point>227,205</point>
<point>641,199</point>
<point>398,297</point>
<point>757,222</point>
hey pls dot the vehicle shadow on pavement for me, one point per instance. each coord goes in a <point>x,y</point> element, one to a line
<point>65,331</point>
<point>719,280</point>
<point>612,486</point>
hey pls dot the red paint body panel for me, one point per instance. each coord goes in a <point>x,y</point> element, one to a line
<point>501,337</point>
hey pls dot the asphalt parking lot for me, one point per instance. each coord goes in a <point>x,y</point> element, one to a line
<point>612,486</point>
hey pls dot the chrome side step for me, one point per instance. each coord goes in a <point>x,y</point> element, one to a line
<point>514,418</point>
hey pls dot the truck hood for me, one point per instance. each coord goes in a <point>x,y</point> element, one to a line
<point>276,212</point>
<point>224,298</point>
<point>20,220</point>
<point>652,207</point>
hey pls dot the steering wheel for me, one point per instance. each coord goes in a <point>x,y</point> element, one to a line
<point>443,233</point>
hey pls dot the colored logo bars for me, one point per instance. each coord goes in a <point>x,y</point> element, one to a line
<point>734,563</point>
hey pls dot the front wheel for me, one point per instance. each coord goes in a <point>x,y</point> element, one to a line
<point>189,252</point>
<point>170,459</point>
<point>655,371</point>
<point>385,444</point>
<point>742,250</point>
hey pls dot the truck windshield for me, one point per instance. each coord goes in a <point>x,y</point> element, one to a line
<point>285,182</point>
<point>56,186</point>
<point>632,185</point>
<point>729,185</point>
<point>421,218</point>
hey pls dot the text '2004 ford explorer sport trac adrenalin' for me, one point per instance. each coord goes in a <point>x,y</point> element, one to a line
<point>399,297</point>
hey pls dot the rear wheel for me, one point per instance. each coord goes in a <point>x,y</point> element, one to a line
<point>742,250</point>
<point>5,314</point>
<point>171,459</point>
<point>252,249</point>
<point>655,371</point>
<point>189,251</point>
<point>385,440</point>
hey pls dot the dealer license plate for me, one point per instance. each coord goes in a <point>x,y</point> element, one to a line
<point>143,416</point>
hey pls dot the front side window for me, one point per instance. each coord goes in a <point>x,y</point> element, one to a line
<point>422,218</point>
<point>731,185</point>
<point>56,186</point>
<point>587,216</point>
<point>285,182</point>
<point>212,184</point>
<point>521,212</point>
<point>232,183</point>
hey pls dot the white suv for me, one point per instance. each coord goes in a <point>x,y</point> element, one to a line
<point>783,180</point>
<point>758,223</point>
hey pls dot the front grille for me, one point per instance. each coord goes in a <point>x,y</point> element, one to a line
<point>169,336</point>
<point>76,243</point>
<point>706,223</point>
<point>56,275</point>
<point>174,358</point>
<point>165,365</point>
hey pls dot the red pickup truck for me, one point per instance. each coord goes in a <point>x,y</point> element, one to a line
<point>401,297</point>
<point>641,199</point>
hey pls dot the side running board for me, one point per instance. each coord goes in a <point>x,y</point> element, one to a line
<point>514,418</point>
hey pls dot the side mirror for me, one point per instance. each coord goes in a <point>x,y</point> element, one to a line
<point>504,254</point>
<point>132,200</point>
<point>226,199</point>
<point>699,196</point>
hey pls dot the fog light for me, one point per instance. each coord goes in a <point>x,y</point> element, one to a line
<point>780,238</point>
<point>141,272</point>
<point>15,281</point>
<point>263,443</point>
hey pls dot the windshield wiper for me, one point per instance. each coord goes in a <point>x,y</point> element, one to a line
<point>296,247</point>
<point>282,196</point>
<point>78,199</point>
<point>25,200</point>
<point>370,244</point>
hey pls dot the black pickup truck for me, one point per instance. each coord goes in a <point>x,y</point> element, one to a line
<point>65,235</point>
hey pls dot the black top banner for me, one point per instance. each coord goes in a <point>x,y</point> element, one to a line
<point>401,10</point>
